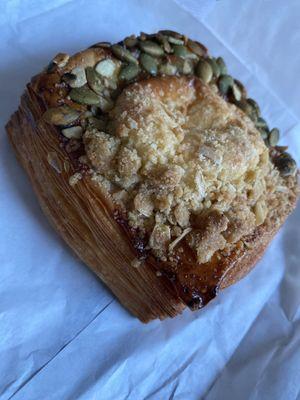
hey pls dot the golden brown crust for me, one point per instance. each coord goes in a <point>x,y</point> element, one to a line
<point>149,287</point>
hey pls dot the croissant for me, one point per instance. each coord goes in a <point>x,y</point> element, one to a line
<point>155,167</point>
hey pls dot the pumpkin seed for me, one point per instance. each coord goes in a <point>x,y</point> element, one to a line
<point>131,41</point>
<point>84,95</point>
<point>76,78</point>
<point>261,123</point>
<point>63,115</point>
<point>94,80</point>
<point>165,43</point>
<point>183,52</point>
<point>286,165</point>
<point>129,72</point>
<point>188,67</point>
<point>143,36</point>
<point>105,104</point>
<point>273,137</point>
<point>264,133</point>
<point>204,71</point>
<point>196,48</point>
<point>222,66</point>
<point>247,108</point>
<point>236,91</point>
<point>174,40</point>
<point>168,69</point>
<point>97,123</point>
<point>225,83</point>
<point>123,54</point>
<point>255,106</point>
<point>151,48</point>
<point>101,44</point>
<point>215,66</point>
<point>106,68</point>
<point>171,33</point>
<point>148,63</point>
<point>74,132</point>
<point>241,87</point>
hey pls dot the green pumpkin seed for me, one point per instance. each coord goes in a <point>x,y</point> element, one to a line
<point>151,48</point>
<point>255,106</point>
<point>131,41</point>
<point>171,33</point>
<point>196,48</point>
<point>273,137</point>
<point>94,80</point>
<point>173,40</point>
<point>63,115</point>
<point>222,66</point>
<point>105,104</point>
<point>184,52</point>
<point>247,108</point>
<point>123,54</point>
<point>129,72</point>
<point>236,91</point>
<point>241,87</point>
<point>215,66</point>
<point>204,71</point>
<point>165,43</point>
<point>106,68</point>
<point>76,78</point>
<point>143,36</point>
<point>261,123</point>
<point>97,123</point>
<point>84,95</point>
<point>286,165</point>
<point>148,63</point>
<point>188,67</point>
<point>101,44</point>
<point>264,133</point>
<point>225,83</point>
<point>168,69</point>
<point>74,132</point>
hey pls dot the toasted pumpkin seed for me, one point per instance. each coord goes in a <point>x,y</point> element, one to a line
<point>222,66</point>
<point>151,48</point>
<point>123,54</point>
<point>241,87</point>
<point>171,33</point>
<point>106,68</point>
<point>105,104</point>
<point>165,43</point>
<point>225,82</point>
<point>129,72</point>
<point>188,66</point>
<point>148,63</point>
<point>183,52</point>
<point>94,80</point>
<point>264,133</point>
<point>84,95</point>
<point>174,40</point>
<point>215,66</point>
<point>236,91</point>
<point>273,137</point>
<point>168,69</point>
<point>101,44</point>
<point>261,123</point>
<point>74,132</point>
<point>75,78</point>
<point>204,71</point>
<point>63,115</point>
<point>131,41</point>
<point>286,165</point>
<point>255,106</point>
<point>247,108</point>
<point>196,48</point>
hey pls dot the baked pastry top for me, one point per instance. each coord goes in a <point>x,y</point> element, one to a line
<point>190,169</point>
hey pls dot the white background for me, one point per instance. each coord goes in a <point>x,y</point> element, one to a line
<point>62,333</point>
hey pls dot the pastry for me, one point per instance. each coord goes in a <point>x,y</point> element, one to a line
<point>155,167</point>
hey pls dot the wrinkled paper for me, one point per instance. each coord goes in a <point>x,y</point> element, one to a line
<point>62,333</point>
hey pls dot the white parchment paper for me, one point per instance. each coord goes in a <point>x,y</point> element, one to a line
<point>62,333</point>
